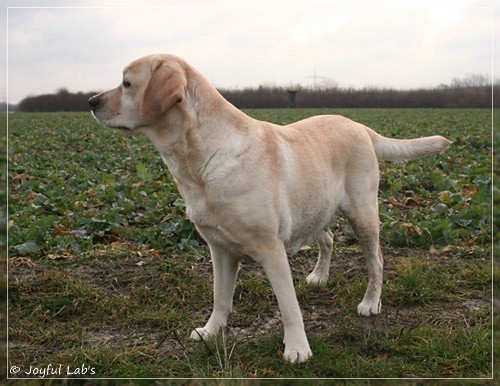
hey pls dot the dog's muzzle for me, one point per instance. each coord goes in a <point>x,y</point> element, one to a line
<point>94,102</point>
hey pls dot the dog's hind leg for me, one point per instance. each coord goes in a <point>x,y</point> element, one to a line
<point>363,216</point>
<point>319,275</point>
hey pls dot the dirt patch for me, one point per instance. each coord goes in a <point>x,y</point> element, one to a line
<point>158,284</point>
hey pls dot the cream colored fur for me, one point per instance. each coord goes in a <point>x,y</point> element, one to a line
<point>256,189</point>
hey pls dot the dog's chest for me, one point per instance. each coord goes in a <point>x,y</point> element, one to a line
<point>192,193</point>
<point>199,215</point>
<point>197,209</point>
<point>209,225</point>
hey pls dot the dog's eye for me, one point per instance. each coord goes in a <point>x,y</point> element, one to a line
<point>126,84</point>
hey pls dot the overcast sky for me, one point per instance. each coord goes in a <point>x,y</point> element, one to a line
<point>402,44</point>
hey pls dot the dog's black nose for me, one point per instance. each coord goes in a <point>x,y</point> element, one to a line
<point>94,102</point>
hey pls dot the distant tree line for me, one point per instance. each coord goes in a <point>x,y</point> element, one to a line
<point>62,100</point>
<point>473,91</point>
<point>4,106</point>
<point>473,97</point>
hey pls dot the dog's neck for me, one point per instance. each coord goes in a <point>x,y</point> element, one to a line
<point>195,132</point>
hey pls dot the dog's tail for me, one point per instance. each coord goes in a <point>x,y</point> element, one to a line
<point>388,149</point>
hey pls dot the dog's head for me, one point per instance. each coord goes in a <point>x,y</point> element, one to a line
<point>151,86</point>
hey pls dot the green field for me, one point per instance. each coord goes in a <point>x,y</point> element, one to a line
<point>106,271</point>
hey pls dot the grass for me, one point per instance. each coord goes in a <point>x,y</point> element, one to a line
<point>3,243</point>
<point>106,271</point>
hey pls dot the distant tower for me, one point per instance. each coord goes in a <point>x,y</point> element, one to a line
<point>291,97</point>
<point>315,78</point>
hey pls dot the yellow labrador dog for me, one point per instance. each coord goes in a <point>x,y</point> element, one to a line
<point>255,189</point>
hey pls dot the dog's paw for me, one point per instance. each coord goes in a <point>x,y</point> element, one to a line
<point>200,334</point>
<point>317,279</point>
<point>297,355</point>
<point>366,308</point>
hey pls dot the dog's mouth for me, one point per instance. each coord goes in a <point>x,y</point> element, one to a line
<point>105,123</point>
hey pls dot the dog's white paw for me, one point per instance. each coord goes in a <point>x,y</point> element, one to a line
<point>316,279</point>
<point>366,308</point>
<point>297,354</point>
<point>201,334</point>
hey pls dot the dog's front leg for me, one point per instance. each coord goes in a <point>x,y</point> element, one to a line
<point>225,272</point>
<point>275,264</point>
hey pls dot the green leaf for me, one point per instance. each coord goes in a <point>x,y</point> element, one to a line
<point>27,248</point>
<point>143,172</point>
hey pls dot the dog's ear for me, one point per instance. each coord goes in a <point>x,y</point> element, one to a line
<point>166,87</point>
